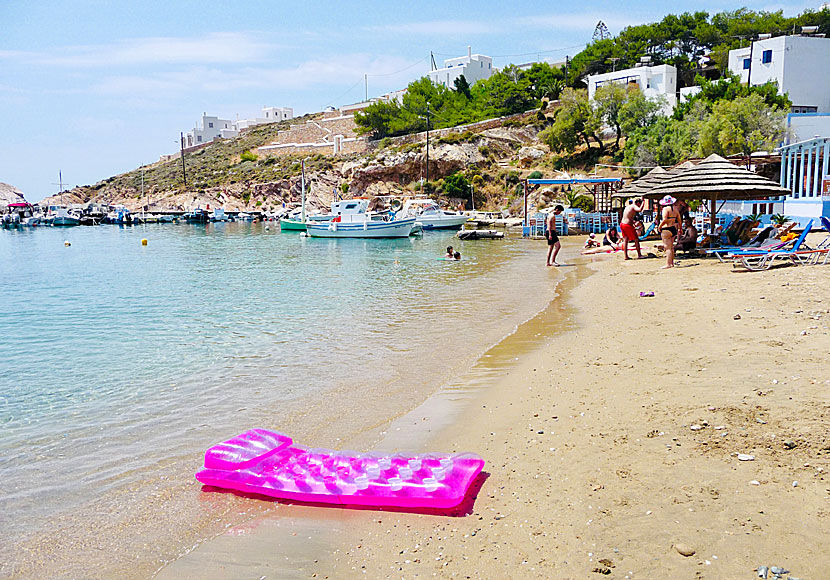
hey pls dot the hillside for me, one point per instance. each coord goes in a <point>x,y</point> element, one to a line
<point>492,157</point>
<point>10,194</point>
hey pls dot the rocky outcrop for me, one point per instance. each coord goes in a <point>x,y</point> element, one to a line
<point>10,194</point>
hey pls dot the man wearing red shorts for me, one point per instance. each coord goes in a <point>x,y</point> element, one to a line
<point>629,234</point>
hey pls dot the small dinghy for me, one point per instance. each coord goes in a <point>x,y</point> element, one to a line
<point>480,235</point>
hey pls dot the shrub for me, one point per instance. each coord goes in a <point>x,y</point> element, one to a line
<point>584,202</point>
<point>344,187</point>
<point>247,156</point>
<point>535,175</point>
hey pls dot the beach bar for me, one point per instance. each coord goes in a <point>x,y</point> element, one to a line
<point>602,188</point>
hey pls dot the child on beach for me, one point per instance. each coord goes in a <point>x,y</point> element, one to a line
<point>591,242</point>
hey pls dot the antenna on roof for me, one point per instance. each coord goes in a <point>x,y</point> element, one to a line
<point>601,31</point>
<point>432,58</point>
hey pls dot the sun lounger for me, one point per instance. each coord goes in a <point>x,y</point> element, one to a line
<point>826,242</point>
<point>649,231</point>
<point>763,241</point>
<point>799,254</point>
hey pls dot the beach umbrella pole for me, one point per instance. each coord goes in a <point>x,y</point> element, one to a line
<point>712,221</point>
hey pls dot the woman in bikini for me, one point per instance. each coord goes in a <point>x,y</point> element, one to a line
<point>668,228</point>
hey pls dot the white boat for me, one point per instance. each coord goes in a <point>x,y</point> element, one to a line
<point>59,216</point>
<point>219,215</point>
<point>350,219</point>
<point>244,217</point>
<point>427,213</point>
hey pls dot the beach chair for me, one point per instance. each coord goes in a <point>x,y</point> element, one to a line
<point>825,222</point>
<point>649,230</point>
<point>799,254</point>
<point>763,241</point>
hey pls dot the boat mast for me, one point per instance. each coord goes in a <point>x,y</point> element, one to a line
<point>302,185</point>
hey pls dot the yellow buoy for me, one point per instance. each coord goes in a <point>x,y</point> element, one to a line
<point>143,241</point>
<point>66,243</point>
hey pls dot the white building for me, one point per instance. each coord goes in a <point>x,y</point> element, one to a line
<point>800,65</point>
<point>269,115</point>
<point>654,82</point>
<point>214,127</point>
<point>474,67</point>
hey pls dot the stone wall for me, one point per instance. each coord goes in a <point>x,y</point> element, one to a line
<point>317,136</point>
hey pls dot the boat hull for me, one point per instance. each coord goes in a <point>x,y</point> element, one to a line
<point>288,225</point>
<point>393,229</point>
<point>447,223</point>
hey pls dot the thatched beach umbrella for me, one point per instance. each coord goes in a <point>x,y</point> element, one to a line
<point>715,179</point>
<point>641,186</point>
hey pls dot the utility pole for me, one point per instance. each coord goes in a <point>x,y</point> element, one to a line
<point>184,175</point>
<point>366,82</point>
<point>749,72</point>
<point>427,172</point>
<point>614,59</point>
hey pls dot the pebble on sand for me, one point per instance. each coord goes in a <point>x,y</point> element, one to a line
<point>684,550</point>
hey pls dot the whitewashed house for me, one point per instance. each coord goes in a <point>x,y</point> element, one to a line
<point>654,82</point>
<point>212,128</point>
<point>474,67</point>
<point>799,64</point>
<point>269,115</point>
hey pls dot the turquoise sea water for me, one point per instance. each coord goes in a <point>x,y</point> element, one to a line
<point>116,357</point>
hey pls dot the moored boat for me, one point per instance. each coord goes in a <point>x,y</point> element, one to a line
<point>427,213</point>
<point>352,220</point>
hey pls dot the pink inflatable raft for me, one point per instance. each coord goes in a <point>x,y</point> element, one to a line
<point>267,463</point>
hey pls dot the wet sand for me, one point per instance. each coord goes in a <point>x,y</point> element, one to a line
<point>615,443</point>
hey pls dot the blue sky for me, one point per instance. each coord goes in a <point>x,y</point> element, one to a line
<point>95,88</point>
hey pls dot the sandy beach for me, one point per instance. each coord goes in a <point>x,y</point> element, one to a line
<point>611,446</point>
<point>610,425</point>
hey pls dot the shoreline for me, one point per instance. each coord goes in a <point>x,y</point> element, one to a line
<point>161,516</point>
<point>616,444</point>
<point>296,537</point>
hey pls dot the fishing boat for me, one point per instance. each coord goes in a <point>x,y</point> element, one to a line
<point>350,219</point>
<point>120,216</point>
<point>197,216</point>
<point>427,213</point>
<point>60,216</point>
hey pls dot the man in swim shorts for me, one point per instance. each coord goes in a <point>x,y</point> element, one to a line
<point>629,234</point>
<point>553,239</point>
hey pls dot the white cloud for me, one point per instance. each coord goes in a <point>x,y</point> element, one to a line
<point>441,27</point>
<point>215,48</point>
<point>331,71</point>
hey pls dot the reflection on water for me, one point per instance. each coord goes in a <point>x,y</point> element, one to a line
<point>117,357</point>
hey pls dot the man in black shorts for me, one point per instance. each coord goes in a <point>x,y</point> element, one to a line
<point>553,239</point>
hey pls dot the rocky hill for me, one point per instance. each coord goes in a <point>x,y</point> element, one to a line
<point>227,174</point>
<point>10,194</point>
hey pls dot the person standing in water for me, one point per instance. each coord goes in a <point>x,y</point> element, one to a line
<point>629,233</point>
<point>550,233</point>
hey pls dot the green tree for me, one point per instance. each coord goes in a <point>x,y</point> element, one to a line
<point>575,122</point>
<point>456,185</point>
<point>743,125</point>
<point>608,102</point>
<point>639,111</point>
<point>462,87</point>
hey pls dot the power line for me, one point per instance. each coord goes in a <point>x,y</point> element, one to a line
<point>535,52</point>
<point>398,71</point>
